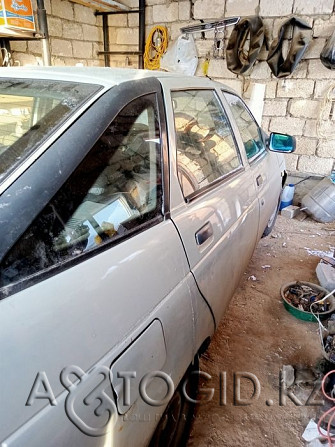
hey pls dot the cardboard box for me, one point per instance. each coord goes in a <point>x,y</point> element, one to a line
<point>17,15</point>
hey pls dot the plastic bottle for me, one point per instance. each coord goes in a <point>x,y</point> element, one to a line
<point>287,196</point>
<point>320,201</point>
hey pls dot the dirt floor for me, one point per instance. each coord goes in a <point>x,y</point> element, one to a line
<point>258,335</point>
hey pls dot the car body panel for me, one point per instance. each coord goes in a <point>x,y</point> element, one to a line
<point>47,325</point>
<point>149,301</point>
<point>230,207</point>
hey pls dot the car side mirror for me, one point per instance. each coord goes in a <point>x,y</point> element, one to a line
<point>279,142</point>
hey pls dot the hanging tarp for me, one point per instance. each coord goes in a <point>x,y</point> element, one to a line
<point>327,55</point>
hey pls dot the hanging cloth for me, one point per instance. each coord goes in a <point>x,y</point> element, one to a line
<point>281,67</point>
<point>327,55</point>
<point>238,60</point>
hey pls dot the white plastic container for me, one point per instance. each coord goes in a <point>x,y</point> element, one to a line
<point>287,196</point>
<point>320,201</point>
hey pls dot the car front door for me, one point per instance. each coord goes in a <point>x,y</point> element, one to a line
<point>213,203</point>
<point>93,277</point>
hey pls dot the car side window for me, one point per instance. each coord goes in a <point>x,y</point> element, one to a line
<point>249,129</point>
<point>115,190</point>
<point>206,149</point>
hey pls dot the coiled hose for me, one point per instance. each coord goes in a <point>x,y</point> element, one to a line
<point>155,47</point>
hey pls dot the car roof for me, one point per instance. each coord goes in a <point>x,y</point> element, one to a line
<point>105,76</point>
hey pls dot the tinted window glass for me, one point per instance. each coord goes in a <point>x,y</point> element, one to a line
<point>249,129</point>
<point>114,191</point>
<point>206,149</point>
<point>30,111</point>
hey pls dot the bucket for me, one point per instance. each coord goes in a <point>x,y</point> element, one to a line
<point>302,314</point>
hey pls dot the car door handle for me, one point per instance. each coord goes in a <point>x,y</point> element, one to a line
<point>259,180</point>
<point>204,233</point>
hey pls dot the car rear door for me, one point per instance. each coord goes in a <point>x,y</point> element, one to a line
<point>93,276</point>
<point>265,169</point>
<point>213,199</point>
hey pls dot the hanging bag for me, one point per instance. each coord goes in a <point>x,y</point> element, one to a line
<point>327,55</point>
<point>281,67</point>
<point>181,56</point>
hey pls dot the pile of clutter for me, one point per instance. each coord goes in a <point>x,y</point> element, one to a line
<point>318,203</point>
<point>302,296</point>
<point>329,340</point>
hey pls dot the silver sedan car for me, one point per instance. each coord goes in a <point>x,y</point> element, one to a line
<point>130,205</point>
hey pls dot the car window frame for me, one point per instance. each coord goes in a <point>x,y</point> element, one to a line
<point>224,178</point>
<point>7,180</point>
<point>123,96</point>
<point>260,155</point>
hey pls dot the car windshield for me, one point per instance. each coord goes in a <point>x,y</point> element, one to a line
<point>30,111</point>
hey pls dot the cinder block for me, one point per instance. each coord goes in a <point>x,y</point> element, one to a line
<point>291,161</point>
<point>91,33</point>
<point>275,9</point>
<point>127,36</point>
<point>184,10</point>
<point>316,70</point>
<point>326,275</point>
<point>310,129</point>
<point>63,9</point>
<point>304,108</point>
<point>209,9</point>
<point>290,211</point>
<point>72,31</point>
<point>315,165</point>
<point>296,88</point>
<point>291,126</point>
<point>240,8</point>
<point>82,49</point>
<point>323,27</point>
<point>326,149</point>
<point>83,14</point>
<point>312,7</point>
<point>261,70</point>
<point>165,13</point>
<point>274,107</point>
<point>60,47</point>
<point>55,27</point>
<point>218,69</point>
<point>306,146</point>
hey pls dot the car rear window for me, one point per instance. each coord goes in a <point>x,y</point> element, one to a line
<point>31,111</point>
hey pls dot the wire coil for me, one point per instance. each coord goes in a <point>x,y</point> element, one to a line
<point>155,47</point>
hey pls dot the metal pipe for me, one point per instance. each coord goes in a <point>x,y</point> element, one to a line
<point>5,58</point>
<point>106,40</point>
<point>43,28</point>
<point>141,32</point>
<point>110,13</point>
<point>133,53</point>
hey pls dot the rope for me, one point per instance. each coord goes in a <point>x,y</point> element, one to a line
<point>155,47</point>
<point>330,412</point>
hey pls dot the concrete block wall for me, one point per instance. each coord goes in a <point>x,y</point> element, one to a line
<point>75,36</point>
<point>292,105</point>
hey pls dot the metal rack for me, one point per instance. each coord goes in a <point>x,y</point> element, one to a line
<point>210,26</point>
<point>141,35</point>
<point>218,27</point>
<point>42,35</point>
